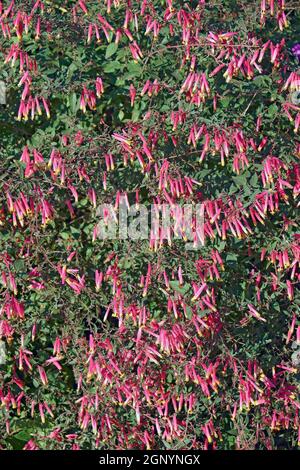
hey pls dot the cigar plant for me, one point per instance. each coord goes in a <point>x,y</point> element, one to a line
<point>188,338</point>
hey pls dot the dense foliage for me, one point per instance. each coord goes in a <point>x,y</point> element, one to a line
<point>143,344</point>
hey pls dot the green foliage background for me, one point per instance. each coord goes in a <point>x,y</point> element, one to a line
<point>66,62</point>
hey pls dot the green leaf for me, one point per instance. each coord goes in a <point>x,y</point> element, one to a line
<point>22,436</point>
<point>181,289</point>
<point>111,50</point>
<point>73,103</point>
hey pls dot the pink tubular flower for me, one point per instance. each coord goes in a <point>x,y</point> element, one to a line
<point>31,445</point>
<point>99,87</point>
<point>254,313</point>
<point>55,362</point>
<point>98,280</point>
<point>290,290</point>
<point>43,375</point>
<point>135,51</point>
<point>132,92</point>
<point>45,104</point>
<point>83,7</point>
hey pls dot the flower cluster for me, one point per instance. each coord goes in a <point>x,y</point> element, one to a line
<point>142,344</point>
